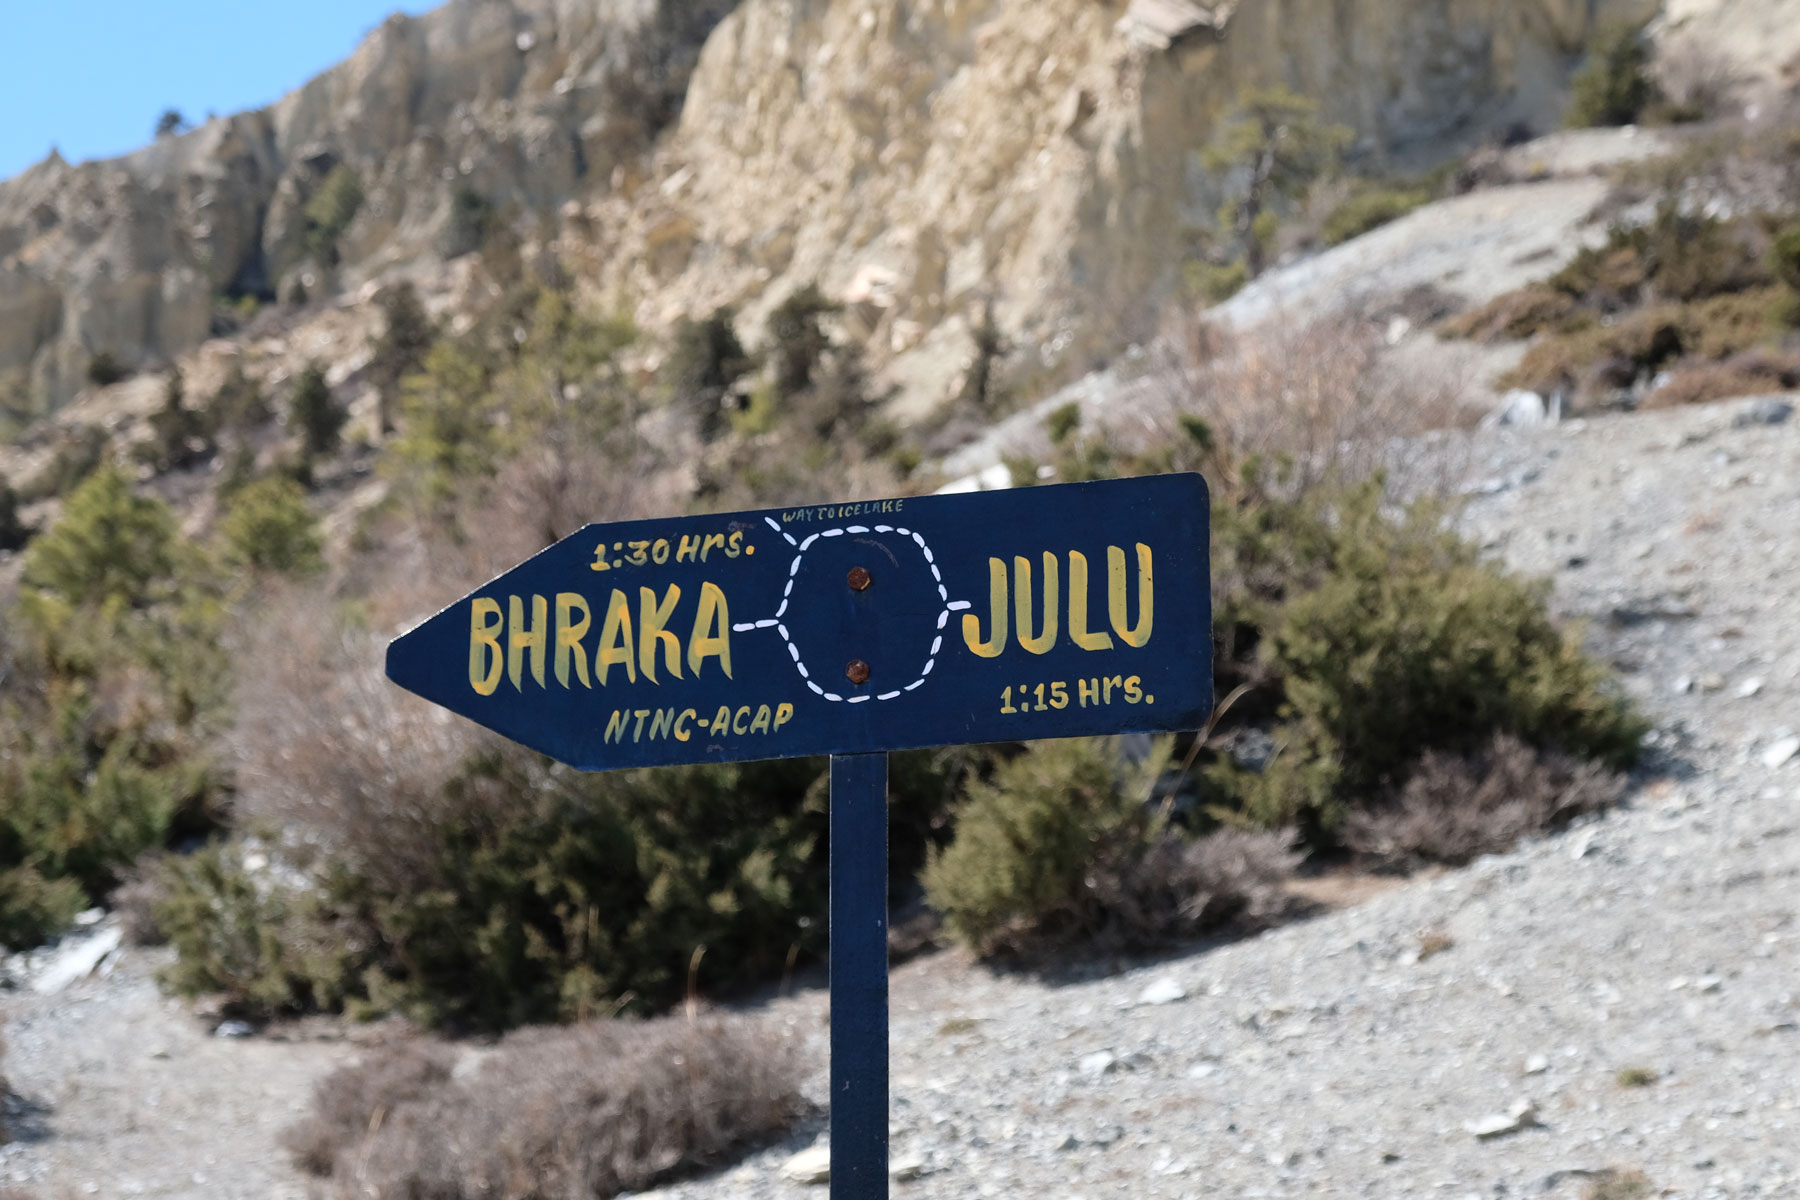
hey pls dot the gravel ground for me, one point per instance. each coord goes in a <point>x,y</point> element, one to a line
<point>1339,1057</point>
<point>1351,1054</point>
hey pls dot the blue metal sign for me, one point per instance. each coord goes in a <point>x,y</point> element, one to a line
<point>842,628</point>
<point>849,630</point>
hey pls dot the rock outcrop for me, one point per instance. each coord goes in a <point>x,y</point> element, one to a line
<point>934,162</point>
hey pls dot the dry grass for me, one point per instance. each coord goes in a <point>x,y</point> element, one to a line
<point>1456,808</point>
<point>1619,1185</point>
<point>1434,942</point>
<point>1636,1077</point>
<point>554,1113</point>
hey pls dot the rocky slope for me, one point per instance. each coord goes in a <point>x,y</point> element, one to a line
<point>1619,997</point>
<point>925,161</point>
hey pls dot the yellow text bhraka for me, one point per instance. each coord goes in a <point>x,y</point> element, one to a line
<point>553,636</point>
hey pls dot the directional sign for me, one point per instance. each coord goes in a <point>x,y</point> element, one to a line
<point>841,628</point>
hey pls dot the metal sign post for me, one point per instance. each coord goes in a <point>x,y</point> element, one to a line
<point>849,630</point>
<point>859,982</point>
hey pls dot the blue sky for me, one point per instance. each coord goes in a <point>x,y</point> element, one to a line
<point>91,76</point>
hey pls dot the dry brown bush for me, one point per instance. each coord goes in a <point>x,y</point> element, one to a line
<point>329,755</point>
<point>1315,395</point>
<point>1455,808</point>
<point>553,1113</point>
<point>352,1104</point>
<point>134,901</point>
<point>1183,887</point>
<point>1517,314</point>
<point>1741,375</point>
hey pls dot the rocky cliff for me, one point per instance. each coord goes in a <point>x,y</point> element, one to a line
<point>1033,159</point>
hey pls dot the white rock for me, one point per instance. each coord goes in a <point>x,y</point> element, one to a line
<point>1537,1064</point>
<point>902,1168</point>
<point>810,1167</point>
<point>1779,753</point>
<point>1683,685</point>
<point>1518,408</point>
<point>74,961</point>
<point>1166,990</point>
<point>1749,688</point>
<point>233,1029</point>
<point>91,916</point>
<point>1709,983</point>
<point>1100,1062</point>
<point>1522,1115</point>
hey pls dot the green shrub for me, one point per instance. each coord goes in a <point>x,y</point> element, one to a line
<point>705,360</point>
<point>105,708</point>
<point>1390,637</point>
<point>1784,262</point>
<point>406,337</point>
<point>14,533</point>
<point>472,219</point>
<point>32,907</point>
<point>1613,86</point>
<point>238,405</point>
<point>1369,208</point>
<point>110,549</point>
<point>180,437</point>
<point>1062,845</point>
<point>315,414</point>
<point>262,943</point>
<point>105,369</point>
<point>797,338</point>
<point>329,212</point>
<point>269,527</point>
<point>1274,141</point>
<point>1214,283</point>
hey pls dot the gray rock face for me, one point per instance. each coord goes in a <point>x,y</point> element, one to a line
<point>518,102</point>
<point>1031,153</point>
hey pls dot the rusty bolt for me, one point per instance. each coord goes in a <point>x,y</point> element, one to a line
<point>860,579</point>
<point>857,672</point>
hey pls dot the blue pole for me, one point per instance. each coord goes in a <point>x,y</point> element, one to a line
<point>859,984</point>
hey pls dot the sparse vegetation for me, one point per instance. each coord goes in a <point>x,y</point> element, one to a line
<point>315,414</point>
<point>406,336</point>
<point>1614,85</point>
<point>1636,1077</point>
<point>329,212</point>
<point>1620,1185</point>
<point>180,437</point>
<point>1270,149</point>
<point>1369,207</point>
<point>104,369</point>
<point>1683,309</point>
<point>591,1110</point>
<point>14,533</point>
